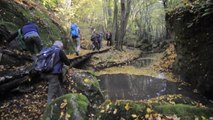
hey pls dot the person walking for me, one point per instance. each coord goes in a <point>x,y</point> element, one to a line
<point>75,34</point>
<point>53,77</point>
<point>95,40</point>
<point>109,38</point>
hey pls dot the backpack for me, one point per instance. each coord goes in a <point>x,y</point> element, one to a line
<point>20,40</point>
<point>74,31</point>
<point>45,60</point>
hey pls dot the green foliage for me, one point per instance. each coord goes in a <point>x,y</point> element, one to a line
<point>50,4</point>
<point>147,21</point>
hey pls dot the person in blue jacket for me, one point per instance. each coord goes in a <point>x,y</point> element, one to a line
<point>75,34</point>
<point>54,77</point>
<point>30,37</point>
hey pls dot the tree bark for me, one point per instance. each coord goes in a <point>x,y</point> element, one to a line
<point>115,23</point>
<point>105,13</point>
<point>125,11</point>
<point>168,26</point>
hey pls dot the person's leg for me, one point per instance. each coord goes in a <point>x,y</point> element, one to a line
<point>110,42</point>
<point>78,45</point>
<point>29,44</point>
<point>107,42</point>
<point>54,88</point>
<point>38,43</point>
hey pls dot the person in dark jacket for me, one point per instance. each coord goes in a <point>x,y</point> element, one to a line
<point>109,38</point>
<point>31,38</point>
<point>53,78</point>
<point>95,40</point>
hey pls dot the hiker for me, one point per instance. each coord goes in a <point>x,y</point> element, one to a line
<point>94,38</point>
<point>27,37</point>
<point>75,34</point>
<point>53,77</point>
<point>100,37</point>
<point>109,38</point>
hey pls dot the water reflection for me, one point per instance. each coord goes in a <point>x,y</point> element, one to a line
<point>135,87</point>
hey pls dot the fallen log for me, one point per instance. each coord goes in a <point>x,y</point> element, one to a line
<point>11,79</point>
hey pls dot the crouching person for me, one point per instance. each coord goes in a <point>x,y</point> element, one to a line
<point>54,85</point>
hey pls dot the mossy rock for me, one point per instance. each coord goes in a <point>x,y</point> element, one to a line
<point>185,112</point>
<point>127,110</point>
<point>69,107</point>
<point>15,15</point>
<point>87,84</point>
<point>131,110</point>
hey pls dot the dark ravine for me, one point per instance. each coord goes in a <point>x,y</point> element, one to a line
<point>192,28</point>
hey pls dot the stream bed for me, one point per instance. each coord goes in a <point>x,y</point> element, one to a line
<point>139,87</point>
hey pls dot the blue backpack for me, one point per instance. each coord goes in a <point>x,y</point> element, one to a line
<point>74,31</point>
<point>45,60</point>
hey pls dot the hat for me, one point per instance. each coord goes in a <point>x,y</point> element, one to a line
<point>58,43</point>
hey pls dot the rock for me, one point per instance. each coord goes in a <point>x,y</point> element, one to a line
<point>68,107</point>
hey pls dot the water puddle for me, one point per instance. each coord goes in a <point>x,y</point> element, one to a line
<point>139,87</point>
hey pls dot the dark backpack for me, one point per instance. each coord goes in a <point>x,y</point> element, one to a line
<point>20,40</point>
<point>45,60</point>
<point>74,31</point>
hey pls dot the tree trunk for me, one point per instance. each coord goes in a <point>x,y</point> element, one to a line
<point>115,23</point>
<point>105,13</point>
<point>125,10</point>
<point>168,26</point>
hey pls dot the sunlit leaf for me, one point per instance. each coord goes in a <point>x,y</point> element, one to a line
<point>127,106</point>
<point>67,116</point>
<point>148,110</point>
<point>203,118</point>
<point>102,111</point>
<point>86,80</point>
<point>115,111</point>
<point>134,115</point>
<point>196,118</point>
<point>147,116</point>
<point>107,107</point>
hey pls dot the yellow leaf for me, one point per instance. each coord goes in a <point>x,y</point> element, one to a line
<point>196,118</point>
<point>63,105</point>
<point>107,107</point>
<point>127,106</point>
<point>67,116</point>
<point>148,110</point>
<point>147,116</point>
<point>134,116</point>
<point>86,80</point>
<point>115,111</point>
<point>155,115</point>
<point>62,114</point>
<point>203,118</point>
<point>102,111</point>
<point>65,100</point>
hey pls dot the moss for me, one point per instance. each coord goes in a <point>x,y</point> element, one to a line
<point>140,109</point>
<point>185,112</point>
<point>14,16</point>
<point>121,109</point>
<point>67,104</point>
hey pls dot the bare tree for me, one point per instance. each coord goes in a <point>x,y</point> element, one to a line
<point>115,22</point>
<point>125,11</point>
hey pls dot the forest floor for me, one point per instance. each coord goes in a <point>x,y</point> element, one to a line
<point>20,106</point>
